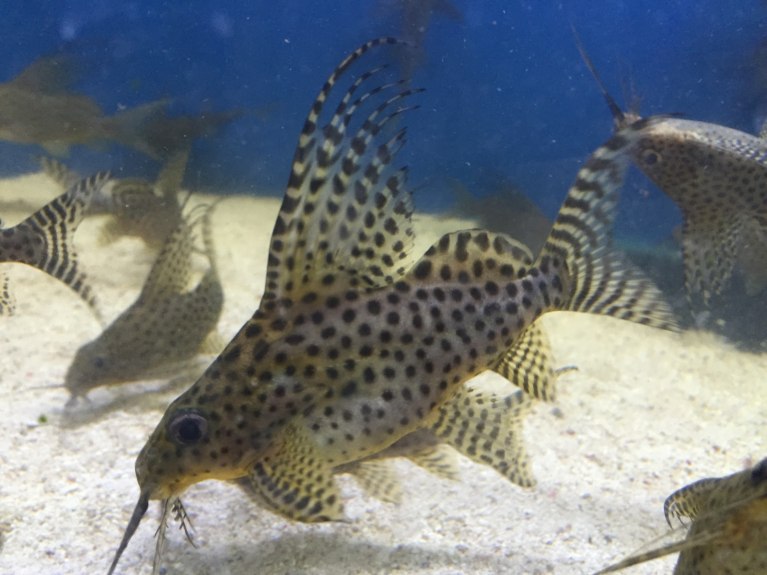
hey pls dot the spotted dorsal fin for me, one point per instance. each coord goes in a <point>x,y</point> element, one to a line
<point>345,219</point>
<point>487,428</point>
<point>528,364</point>
<point>172,270</point>
<point>465,255</point>
<point>294,482</point>
<point>45,239</point>
<point>378,479</point>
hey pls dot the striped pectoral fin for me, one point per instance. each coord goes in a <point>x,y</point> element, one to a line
<point>689,501</point>
<point>378,479</point>
<point>487,428</point>
<point>528,364</point>
<point>294,481</point>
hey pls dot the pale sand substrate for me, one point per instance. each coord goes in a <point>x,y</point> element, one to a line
<point>647,412</point>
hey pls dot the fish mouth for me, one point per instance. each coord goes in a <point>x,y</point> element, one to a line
<point>138,512</point>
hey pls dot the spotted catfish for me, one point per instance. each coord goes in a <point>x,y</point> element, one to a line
<point>728,533</point>
<point>354,347</point>
<point>45,239</point>
<point>166,327</point>
<point>717,176</point>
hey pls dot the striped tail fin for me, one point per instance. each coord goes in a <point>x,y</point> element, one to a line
<point>598,280</point>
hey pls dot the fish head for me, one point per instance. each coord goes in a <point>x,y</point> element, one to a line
<point>680,155</point>
<point>93,366</point>
<point>199,437</point>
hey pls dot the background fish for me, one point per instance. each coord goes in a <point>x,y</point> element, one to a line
<point>718,178</point>
<point>728,533</point>
<point>352,347</point>
<point>45,239</point>
<point>37,107</point>
<point>136,207</point>
<point>166,327</point>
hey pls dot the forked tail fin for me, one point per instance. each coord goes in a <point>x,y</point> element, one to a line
<point>597,279</point>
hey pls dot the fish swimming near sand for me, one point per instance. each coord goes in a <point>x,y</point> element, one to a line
<point>166,327</point>
<point>354,346</point>
<point>728,530</point>
<point>717,176</point>
<point>137,207</point>
<point>45,239</point>
<point>37,107</point>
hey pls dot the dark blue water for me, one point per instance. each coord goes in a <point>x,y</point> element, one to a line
<point>506,90</point>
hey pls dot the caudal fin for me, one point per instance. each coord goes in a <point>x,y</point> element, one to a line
<point>598,280</point>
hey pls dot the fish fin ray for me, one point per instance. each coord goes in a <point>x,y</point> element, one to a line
<point>59,172</point>
<point>378,479</point>
<point>598,280</point>
<point>53,226</point>
<point>528,364</point>
<point>487,428</point>
<point>294,481</point>
<point>439,460</point>
<point>345,220</point>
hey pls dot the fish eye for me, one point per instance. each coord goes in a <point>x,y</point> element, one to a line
<point>99,362</point>
<point>187,428</point>
<point>759,473</point>
<point>650,157</point>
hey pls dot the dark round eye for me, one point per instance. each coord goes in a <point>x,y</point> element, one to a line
<point>759,473</point>
<point>187,428</point>
<point>650,157</point>
<point>99,362</point>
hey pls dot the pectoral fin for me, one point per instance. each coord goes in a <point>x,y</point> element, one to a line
<point>378,479</point>
<point>294,482</point>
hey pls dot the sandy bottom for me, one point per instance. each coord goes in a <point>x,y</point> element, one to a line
<point>646,413</point>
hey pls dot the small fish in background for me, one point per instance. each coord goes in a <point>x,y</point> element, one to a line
<point>169,324</point>
<point>138,208</point>
<point>45,239</point>
<point>506,208</point>
<point>354,346</point>
<point>415,16</point>
<point>728,530</point>
<point>717,176</point>
<point>37,107</point>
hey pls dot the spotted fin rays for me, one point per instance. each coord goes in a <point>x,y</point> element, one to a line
<point>353,348</point>
<point>45,239</point>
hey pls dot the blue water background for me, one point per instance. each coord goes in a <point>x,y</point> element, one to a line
<point>506,90</point>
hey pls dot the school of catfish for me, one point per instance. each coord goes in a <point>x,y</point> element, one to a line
<point>360,350</point>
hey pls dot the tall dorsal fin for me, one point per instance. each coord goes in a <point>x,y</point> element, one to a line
<point>49,74</point>
<point>345,217</point>
<point>172,270</point>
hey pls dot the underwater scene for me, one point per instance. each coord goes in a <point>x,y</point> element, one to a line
<point>384,286</point>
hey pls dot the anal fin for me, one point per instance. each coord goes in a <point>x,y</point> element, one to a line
<point>487,428</point>
<point>294,482</point>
